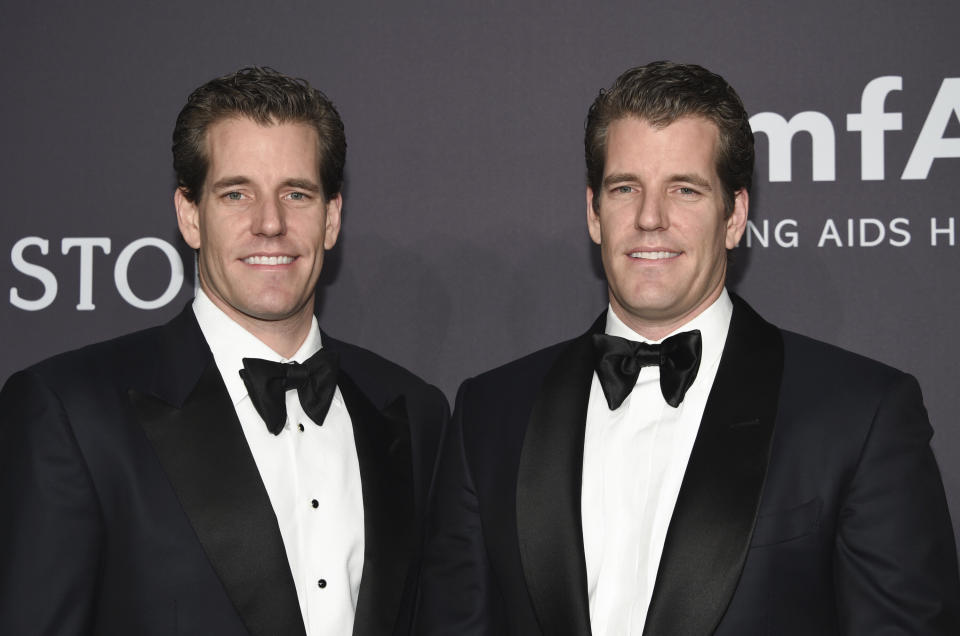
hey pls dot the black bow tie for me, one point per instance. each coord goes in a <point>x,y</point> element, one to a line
<point>619,361</point>
<point>267,383</point>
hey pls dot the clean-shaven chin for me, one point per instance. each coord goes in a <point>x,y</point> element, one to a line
<point>271,261</point>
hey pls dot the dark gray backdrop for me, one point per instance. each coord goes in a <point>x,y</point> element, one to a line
<point>464,242</point>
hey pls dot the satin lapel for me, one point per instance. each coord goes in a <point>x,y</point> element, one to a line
<point>386,475</point>
<point>204,453</point>
<point>713,520</point>
<point>548,493</point>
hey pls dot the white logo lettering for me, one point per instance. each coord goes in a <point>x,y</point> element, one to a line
<point>784,233</point>
<point>899,227</point>
<point>948,231</point>
<point>86,246</point>
<point>123,262</point>
<point>872,121</point>
<point>780,135</point>
<point>42,274</point>
<point>931,143</point>
<point>866,232</point>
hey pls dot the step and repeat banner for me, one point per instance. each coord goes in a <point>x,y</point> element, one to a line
<point>464,241</point>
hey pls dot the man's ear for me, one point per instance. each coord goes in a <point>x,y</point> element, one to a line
<point>188,218</point>
<point>593,217</point>
<point>737,221</point>
<point>332,222</point>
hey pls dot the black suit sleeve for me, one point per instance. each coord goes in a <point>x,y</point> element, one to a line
<point>50,525</point>
<point>456,587</point>
<point>895,563</point>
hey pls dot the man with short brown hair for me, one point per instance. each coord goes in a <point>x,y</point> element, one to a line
<point>685,467</point>
<point>235,471</point>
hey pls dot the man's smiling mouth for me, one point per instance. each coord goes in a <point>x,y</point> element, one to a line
<point>268,260</point>
<point>654,256</point>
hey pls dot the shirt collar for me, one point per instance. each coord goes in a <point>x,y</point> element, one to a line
<point>713,323</point>
<point>230,344</point>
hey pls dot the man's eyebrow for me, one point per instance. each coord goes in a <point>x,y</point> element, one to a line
<point>228,182</point>
<point>619,177</point>
<point>303,184</point>
<point>693,179</point>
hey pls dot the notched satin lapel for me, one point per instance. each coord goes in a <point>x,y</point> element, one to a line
<point>202,448</point>
<point>386,476</point>
<point>709,534</point>
<point>548,493</point>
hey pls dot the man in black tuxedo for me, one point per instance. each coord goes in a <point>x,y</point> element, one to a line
<point>684,467</point>
<point>234,471</point>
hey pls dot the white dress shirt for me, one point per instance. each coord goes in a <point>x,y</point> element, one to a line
<point>634,459</point>
<point>311,474</point>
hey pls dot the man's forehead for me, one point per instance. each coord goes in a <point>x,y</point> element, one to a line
<point>227,136</point>
<point>678,139</point>
<point>238,121</point>
<point>703,125</point>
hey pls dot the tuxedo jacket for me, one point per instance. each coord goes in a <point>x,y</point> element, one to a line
<point>131,503</point>
<point>811,504</point>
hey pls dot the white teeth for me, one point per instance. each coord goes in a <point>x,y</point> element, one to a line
<point>268,260</point>
<point>653,256</point>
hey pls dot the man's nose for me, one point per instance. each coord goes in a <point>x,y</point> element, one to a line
<point>652,213</point>
<point>269,219</point>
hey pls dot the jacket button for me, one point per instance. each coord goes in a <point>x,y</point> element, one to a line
<point>322,583</point>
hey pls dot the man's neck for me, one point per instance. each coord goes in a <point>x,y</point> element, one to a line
<point>656,330</point>
<point>283,336</point>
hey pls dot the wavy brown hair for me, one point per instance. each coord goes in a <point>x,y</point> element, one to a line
<point>268,98</point>
<point>662,92</point>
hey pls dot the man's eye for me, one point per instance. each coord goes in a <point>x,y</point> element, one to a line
<point>687,191</point>
<point>624,189</point>
<point>233,196</point>
<point>297,196</point>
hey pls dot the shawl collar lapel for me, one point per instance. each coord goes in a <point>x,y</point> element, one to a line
<point>712,523</point>
<point>386,476</point>
<point>548,492</point>
<point>191,423</point>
